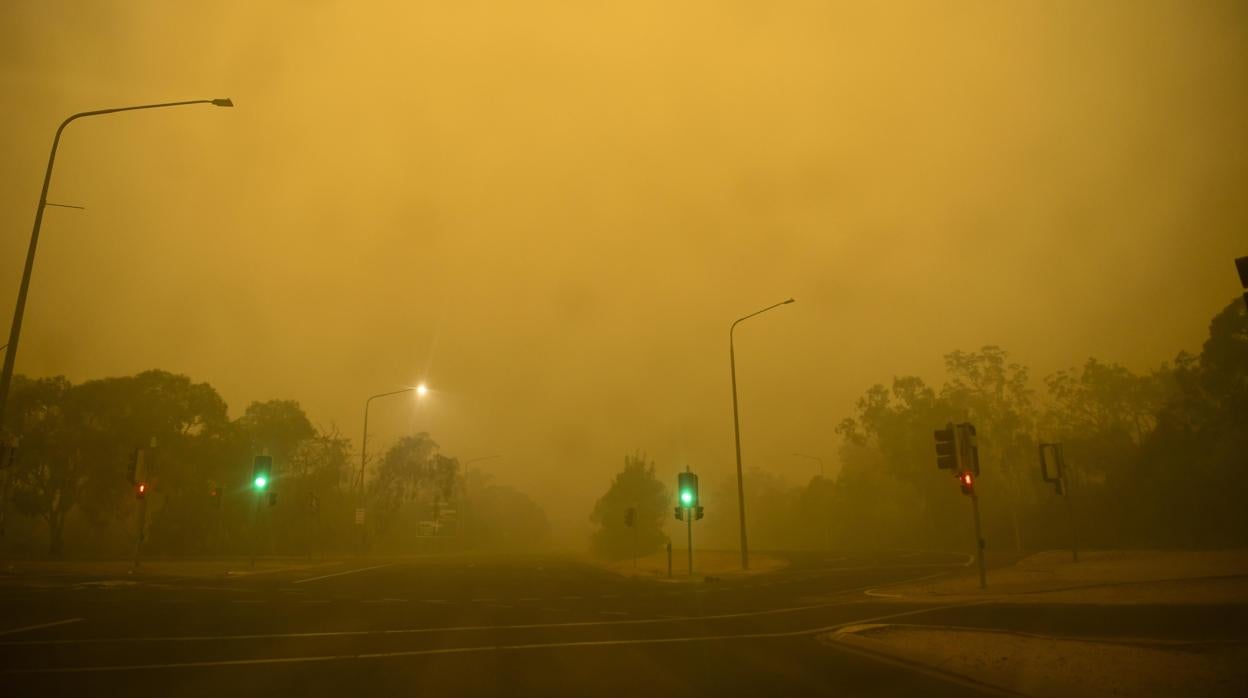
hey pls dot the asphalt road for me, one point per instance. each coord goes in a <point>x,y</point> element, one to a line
<point>500,626</point>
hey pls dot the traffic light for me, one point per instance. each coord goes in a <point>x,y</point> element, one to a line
<point>140,490</point>
<point>697,513</point>
<point>215,495</point>
<point>272,499</point>
<point>687,489</point>
<point>969,446</point>
<point>261,472</point>
<point>680,513</point>
<point>967,480</point>
<point>947,447</point>
<point>132,472</point>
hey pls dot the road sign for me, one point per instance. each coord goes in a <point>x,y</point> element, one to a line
<point>359,516</point>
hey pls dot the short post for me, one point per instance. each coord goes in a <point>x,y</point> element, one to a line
<point>1074,528</point>
<point>979,543</point>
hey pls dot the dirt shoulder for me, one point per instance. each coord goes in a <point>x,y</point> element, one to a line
<point>1041,665</point>
<point>1036,665</point>
<point>1110,577</point>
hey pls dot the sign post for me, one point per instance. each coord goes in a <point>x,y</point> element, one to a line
<point>1053,470</point>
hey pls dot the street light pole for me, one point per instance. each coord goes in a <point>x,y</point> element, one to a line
<point>359,492</point>
<point>10,356</point>
<point>736,427</point>
<point>364,440</point>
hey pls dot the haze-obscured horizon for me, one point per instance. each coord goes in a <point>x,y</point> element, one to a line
<point>551,213</point>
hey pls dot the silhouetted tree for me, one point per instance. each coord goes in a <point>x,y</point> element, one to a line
<point>499,517</point>
<point>635,486</point>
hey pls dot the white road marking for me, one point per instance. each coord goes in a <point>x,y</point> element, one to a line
<point>483,600</point>
<point>434,601</point>
<point>53,624</point>
<point>339,574</point>
<point>420,631</point>
<point>875,591</point>
<point>252,573</point>
<point>529,599</point>
<point>470,628</point>
<point>479,648</point>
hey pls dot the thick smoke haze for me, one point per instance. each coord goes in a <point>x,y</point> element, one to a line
<point>552,211</point>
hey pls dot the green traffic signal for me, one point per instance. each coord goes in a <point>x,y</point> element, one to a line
<point>261,471</point>
<point>687,486</point>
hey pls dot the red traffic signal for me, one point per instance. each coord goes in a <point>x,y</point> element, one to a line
<point>140,490</point>
<point>967,480</point>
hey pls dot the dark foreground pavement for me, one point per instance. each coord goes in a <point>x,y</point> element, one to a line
<point>460,625</point>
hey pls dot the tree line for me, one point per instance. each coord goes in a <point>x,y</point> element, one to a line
<point>76,444</point>
<point>1155,459</point>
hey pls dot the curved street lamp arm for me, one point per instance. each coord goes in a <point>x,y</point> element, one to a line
<point>758,312</point>
<point>364,440</point>
<point>10,356</point>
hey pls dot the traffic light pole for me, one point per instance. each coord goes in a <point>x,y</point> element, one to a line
<point>634,546</point>
<point>689,527</point>
<point>138,540</point>
<point>979,543</point>
<point>255,526</point>
<point>1070,517</point>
